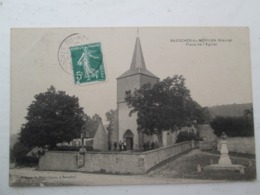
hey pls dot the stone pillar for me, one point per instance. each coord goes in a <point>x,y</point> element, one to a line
<point>140,140</point>
<point>164,138</point>
<point>192,144</point>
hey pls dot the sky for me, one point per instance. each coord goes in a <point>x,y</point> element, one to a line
<point>214,61</point>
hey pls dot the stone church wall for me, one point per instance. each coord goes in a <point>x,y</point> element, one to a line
<point>144,79</point>
<point>244,145</point>
<point>127,83</point>
<point>126,123</point>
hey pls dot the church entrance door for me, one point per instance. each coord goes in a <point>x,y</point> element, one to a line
<point>129,139</point>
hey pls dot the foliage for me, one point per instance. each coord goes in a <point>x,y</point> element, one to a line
<point>18,154</point>
<point>53,117</point>
<point>162,106</point>
<point>89,148</point>
<point>233,126</point>
<point>110,115</point>
<point>249,113</point>
<point>72,148</point>
<point>90,125</point>
<point>187,136</point>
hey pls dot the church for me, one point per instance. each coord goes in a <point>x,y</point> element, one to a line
<point>125,129</point>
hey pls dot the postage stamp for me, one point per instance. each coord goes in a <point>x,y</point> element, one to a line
<point>87,62</point>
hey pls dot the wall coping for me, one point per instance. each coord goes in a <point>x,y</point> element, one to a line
<point>123,152</point>
<point>166,147</point>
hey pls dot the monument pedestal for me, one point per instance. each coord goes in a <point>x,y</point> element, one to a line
<point>224,158</point>
<point>224,162</point>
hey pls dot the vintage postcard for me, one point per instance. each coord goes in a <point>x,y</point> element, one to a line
<point>131,106</point>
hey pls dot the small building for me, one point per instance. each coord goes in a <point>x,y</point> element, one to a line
<point>97,138</point>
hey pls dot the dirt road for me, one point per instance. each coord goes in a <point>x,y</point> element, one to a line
<point>32,177</point>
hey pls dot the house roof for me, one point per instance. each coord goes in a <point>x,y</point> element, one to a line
<point>90,133</point>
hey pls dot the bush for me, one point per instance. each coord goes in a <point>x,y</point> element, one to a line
<point>72,148</point>
<point>233,126</point>
<point>89,148</point>
<point>18,154</point>
<point>187,136</point>
<point>66,148</point>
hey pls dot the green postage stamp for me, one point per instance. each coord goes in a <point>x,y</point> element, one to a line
<point>87,62</point>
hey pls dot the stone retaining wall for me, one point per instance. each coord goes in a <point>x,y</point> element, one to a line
<point>59,161</point>
<point>240,144</point>
<point>207,145</point>
<point>111,162</point>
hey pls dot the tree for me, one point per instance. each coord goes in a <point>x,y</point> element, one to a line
<point>18,155</point>
<point>233,126</point>
<point>53,117</point>
<point>90,125</point>
<point>110,115</point>
<point>249,113</point>
<point>162,106</point>
<point>187,136</point>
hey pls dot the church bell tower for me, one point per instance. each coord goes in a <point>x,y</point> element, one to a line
<point>132,79</point>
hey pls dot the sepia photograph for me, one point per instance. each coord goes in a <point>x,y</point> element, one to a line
<point>131,106</point>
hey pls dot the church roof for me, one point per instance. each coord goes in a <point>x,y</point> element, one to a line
<point>138,64</point>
